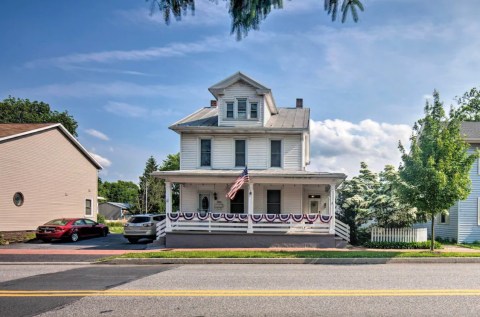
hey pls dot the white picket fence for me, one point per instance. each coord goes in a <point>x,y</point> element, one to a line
<point>398,234</point>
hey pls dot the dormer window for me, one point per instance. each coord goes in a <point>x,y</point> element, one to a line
<point>230,110</point>
<point>242,108</point>
<point>253,111</point>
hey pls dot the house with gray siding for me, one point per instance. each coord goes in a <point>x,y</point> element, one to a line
<point>113,210</point>
<point>462,223</point>
<point>45,173</point>
<point>282,203</point>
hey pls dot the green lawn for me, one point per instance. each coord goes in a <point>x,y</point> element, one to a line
<point>295,254</point>
<point>475,246</point>
<point>115,229</point>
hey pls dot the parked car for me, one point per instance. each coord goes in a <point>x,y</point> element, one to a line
<point>142,226</point>
<point>71,229</point>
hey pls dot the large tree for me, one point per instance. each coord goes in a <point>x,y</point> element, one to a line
<point>355,200</point>
<point>172,163</point>
<point>435,171</point>
<point>248,14</point>
<point>16,110</point>
<point>151,191</point>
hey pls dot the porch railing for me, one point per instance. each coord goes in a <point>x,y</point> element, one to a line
<point>399,234</point>
<point>161,226</point>
<point>216,222</point>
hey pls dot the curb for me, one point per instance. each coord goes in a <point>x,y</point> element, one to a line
<point>345,261</point>
<point>47,263</point>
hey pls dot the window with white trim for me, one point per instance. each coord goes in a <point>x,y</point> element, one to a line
<point>242,108</point>
<point>275,153</point>
<point>240,153</point>
<point>205,152</point>
<point>88,207</point>
<point>253,110</point>
<point>230,110</point>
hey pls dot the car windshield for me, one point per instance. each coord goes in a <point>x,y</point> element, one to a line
<point>58,222</point>
<point>139,219</point>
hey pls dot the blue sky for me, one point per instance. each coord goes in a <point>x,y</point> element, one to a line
<point>125,76</point>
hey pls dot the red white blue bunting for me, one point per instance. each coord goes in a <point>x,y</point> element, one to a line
<point>215,216</point>
<point>242,217</point>
<point>188,215</point>
<point>174,216</point>
<point>284,217</point>
<point>202,216</point>
<point>255,217</point>
<point>270,218</point>
<point>325,218</point>
<point>311,217</point>
<point>297,217</point>
<point>229,217</point>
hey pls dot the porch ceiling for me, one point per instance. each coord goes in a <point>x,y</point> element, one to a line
<point>256,177</point>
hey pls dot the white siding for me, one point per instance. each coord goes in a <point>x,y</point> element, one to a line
<point>232,93</point>
<point>257,153</point>
<point>188,151</point>
<point>190,197</point>
<point>291,198</point>
<point>223,152</point>
<point>292,152</point>
<point>468,227</point>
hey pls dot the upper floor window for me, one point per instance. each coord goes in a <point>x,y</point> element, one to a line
<point>205,152</point>
<point>242,108</point>
<point>253,111</point>
<point>276,153</point>
<point>240,152</point>
<point>230,110</point>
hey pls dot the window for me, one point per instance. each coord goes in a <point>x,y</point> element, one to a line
<point>205,152</point>
<point>253,111</point>
<point>79,222</point>
<point>242,108</point>
<point>89,222</point>
<point>237,205</point>
<point>229,109</point>
<point>18,199</point>
<point>88,207</point>
<point>273,201</point>
<point>240,153</point>
<point>276,153</point>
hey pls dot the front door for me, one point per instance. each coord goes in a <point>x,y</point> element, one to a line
<point>237,204</point>
<point>204,203</point>
<point>274,201</point>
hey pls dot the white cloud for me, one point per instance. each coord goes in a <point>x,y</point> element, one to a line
<point>340,146</point>
<point>101,160</point>
<point>134,111</point>
<point>97,134</point>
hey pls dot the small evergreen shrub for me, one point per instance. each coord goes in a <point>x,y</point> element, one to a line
<point>401,245</point>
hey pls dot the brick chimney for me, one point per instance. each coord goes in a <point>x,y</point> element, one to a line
<point>213,103</point>
<point>299,102</point>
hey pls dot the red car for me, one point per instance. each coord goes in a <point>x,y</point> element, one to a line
<point>71,229</point>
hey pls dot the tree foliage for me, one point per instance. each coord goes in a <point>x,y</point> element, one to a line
<point>151,191</point>
<point>247,15</point>
<point>435,172</point>
<point>119,191</point>
<point>469,106</point>
<point>172,163</point>
<point>16,110</point>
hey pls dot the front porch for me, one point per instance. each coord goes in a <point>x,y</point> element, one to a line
<point>294,208</point>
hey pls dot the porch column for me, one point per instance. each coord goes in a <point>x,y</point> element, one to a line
<point>168,205</point>
<point>332,208</point>
<point>250,208</point>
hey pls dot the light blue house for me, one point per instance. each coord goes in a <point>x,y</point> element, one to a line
<point>463,221</point>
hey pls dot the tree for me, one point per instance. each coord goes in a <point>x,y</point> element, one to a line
<point>151,191</point>
<point>356,200</point>
<point>469,106</point>
<point>172,163</point>
<point>248,14</point>
<point>435,172</point>
<point>389,210</point>
<point>16,110</point>
<point>120,191</point>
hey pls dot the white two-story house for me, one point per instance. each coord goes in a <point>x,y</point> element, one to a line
<point>243,127</point>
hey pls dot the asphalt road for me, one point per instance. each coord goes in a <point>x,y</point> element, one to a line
<point>241,290</point>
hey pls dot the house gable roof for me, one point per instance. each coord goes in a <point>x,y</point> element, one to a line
<point>218,89</point>
<point>119,205</point>
<point>471,131</point>
<point>12,131</point>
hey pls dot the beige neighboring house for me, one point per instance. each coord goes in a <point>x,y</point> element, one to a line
<point>45,173</point>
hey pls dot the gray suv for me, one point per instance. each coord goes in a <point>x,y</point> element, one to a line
<point>142,226</point>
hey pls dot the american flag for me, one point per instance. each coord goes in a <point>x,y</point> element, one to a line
<point>238,184</point>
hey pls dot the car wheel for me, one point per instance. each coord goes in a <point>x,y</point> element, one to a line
<point>46,240</point>
<point>133,240</point>
<point>74,237</point>
<point>104,232</point>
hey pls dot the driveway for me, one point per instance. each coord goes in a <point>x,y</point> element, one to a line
<point>110,242</point>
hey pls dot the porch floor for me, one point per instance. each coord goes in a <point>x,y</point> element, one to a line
<point>189,239</point>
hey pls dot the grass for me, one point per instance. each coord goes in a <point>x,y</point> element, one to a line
<point>295,254</point>
<point>16,237</point>
<point>475,246</point>
<point>115,229</point>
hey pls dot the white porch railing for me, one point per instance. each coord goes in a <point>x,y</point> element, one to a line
<point>161,228</point>
<point>215,222</point>
<point>342,230</point>
<point>398,234</point>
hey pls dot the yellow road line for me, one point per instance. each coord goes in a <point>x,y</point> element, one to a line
<point>240,293</point>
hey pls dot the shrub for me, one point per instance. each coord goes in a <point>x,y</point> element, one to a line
<point>401,245</point>
<point>114,223</point>
<point>100,218</point>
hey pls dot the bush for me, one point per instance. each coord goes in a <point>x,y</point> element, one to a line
<point>114,223</point>
<point>100,218</point>
<point>401,245</point>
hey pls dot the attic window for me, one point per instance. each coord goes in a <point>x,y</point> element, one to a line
<point>229,109</point>
<point>253,111</point>
<point>242,108</point>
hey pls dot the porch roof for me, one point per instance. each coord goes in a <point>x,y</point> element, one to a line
<point>256,176</point>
